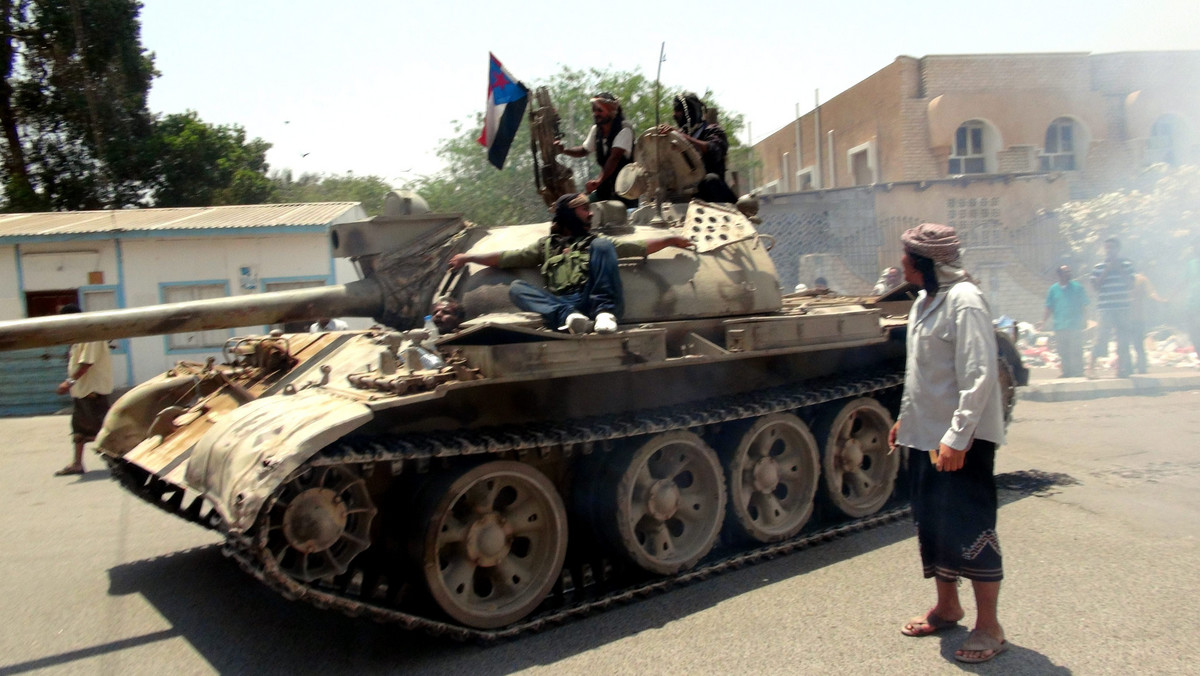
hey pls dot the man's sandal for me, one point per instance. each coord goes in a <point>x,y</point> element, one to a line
<point>928,625</point>
<point>977,642</point>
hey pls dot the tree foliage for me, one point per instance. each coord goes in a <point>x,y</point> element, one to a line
<point>199,164</point>
<point>472,186</point>
<point>311,187</point>
<point>73,104</point>
<point>1156,221</point>
<point>77,132</point>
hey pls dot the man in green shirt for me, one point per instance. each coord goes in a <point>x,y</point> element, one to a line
<point>1065,303</point>
<point>583,286</point>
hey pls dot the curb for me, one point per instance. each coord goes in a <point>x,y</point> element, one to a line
<point>1075,389</point>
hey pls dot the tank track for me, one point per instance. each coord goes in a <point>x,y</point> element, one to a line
<point>419,450</point>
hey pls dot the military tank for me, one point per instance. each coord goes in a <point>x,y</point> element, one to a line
<point>524,476</point>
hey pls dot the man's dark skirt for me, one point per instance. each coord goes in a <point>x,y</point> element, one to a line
<point>87,416</point>
<point>955,514</point>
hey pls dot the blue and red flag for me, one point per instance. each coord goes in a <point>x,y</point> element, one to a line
<point>505,107</point>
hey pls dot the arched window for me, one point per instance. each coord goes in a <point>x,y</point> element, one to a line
<point>974,143</point>
<point>1062,138</point>
<point>1168,140</point>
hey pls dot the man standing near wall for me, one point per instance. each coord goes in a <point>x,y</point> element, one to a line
<point>89,381</point>
<point>1065,303</point>
<point>1112,280</point>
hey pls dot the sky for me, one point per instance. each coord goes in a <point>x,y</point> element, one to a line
<point>372,86</point>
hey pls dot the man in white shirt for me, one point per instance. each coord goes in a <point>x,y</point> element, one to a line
<point>952,420</point>
<point>89,381</point>
<point>611,139</point>
<point>326,324</point>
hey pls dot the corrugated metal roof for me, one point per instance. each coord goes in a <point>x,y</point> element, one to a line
<point>183,218</point>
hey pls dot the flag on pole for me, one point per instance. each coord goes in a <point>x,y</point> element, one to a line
<point>505,107</point>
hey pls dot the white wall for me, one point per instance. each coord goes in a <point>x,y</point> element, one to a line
<point>151,263</point>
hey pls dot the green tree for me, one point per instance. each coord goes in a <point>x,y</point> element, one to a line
<point>311,187</point>
<point>472,186</point>
<point>200,164</point>
<point>73,104</point>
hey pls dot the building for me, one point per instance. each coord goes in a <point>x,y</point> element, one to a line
<point>1098,117</point>
<point>982,142</point>
<point>128,258</point>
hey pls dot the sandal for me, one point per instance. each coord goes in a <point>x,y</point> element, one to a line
<point>979,641</point>
<point>928,625</point>
<point>69,470</point>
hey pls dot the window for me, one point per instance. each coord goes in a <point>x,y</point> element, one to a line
<point>1167,140</point>
<point>861,159</point>
<point>804,179</point>
<point>968,155</point>
<point>198,340</point>
<point>95,300</point>
<point>1059,151</point>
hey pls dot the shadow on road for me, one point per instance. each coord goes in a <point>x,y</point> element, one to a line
<point>238,625</point>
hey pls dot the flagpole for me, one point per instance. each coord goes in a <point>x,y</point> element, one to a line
<point>659,192</point>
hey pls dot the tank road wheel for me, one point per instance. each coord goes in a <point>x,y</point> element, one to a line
<point>773,478</point>
<point>494,544</point>
<point>860,474</point>
<point>670,503</point>
<point>319,521</point>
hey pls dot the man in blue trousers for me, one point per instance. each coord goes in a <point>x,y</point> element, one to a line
<point>583,288</point>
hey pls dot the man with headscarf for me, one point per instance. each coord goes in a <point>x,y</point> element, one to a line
<point>951,421</point>
<point>710,141</point>
<point>611,139</point>
<point>582,285</point>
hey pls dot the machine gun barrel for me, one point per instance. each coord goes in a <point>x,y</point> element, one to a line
<point>362,298</point>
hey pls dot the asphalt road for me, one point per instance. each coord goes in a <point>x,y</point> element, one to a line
<point>1102,572</point>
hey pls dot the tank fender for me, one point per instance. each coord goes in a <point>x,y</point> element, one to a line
<point>128,421</point>
<point>250,451</point>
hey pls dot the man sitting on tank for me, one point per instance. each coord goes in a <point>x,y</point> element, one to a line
<point>583,288</point>
<point>611,138</point>
<point>710,141</point>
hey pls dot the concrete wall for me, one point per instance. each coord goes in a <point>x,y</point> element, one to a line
<point>849,235</point>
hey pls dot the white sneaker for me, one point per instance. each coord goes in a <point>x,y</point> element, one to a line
<point>606,323</point>
<point>576,323</point>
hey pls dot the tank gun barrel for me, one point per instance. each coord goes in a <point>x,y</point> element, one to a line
<point>363,298</point>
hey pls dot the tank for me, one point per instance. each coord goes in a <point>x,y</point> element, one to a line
<point>528,476</point>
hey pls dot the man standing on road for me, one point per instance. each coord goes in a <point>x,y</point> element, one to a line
<point>89,381</point>
<point>1112,280</point>
<point>611,138</point>
<point>1143,293</point>
<point>952,420</point>
<point>579,269</point>
<point>1192,286</point>
<point>1065,303</point>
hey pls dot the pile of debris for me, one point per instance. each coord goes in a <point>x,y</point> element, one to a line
<point>1165,346</point>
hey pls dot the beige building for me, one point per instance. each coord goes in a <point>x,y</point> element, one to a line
<point>982,142</point>
<point>1099,117</point>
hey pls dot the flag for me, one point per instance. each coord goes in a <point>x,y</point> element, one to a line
<point>505,107</point>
